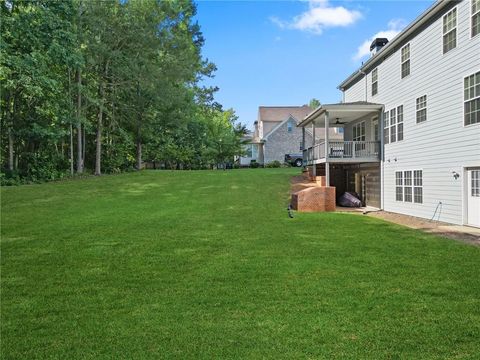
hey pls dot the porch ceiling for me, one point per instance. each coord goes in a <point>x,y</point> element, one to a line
<point>345,112</point>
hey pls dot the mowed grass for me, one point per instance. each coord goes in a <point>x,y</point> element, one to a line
<point>208,265</point>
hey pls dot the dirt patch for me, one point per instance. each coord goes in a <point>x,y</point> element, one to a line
<point>463,233</point>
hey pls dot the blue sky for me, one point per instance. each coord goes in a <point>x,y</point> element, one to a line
<point>287,52</point>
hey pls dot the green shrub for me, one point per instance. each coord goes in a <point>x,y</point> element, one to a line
<point>274,164</point>
<point>254,164</point>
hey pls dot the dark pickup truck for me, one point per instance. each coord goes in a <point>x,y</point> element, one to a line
<point>294,159</point>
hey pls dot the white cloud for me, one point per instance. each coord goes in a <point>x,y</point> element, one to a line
<point>394,27</point>
<point>320,15</point>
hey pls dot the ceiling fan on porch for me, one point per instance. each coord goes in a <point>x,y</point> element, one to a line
<point>338,122</point>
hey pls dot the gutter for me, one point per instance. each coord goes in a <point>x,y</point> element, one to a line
<point>390,47</point>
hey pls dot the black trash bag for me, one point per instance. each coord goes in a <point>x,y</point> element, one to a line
<point>349,199</point>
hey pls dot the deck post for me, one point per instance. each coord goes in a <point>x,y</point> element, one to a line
<point>303,138</point>
<point>304,153</point>
<point>314,168</point>
<point>382,157</point>
<point>327,165</point>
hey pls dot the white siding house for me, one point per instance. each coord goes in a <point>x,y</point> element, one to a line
<point>441,143</point>
<point>426,83</point>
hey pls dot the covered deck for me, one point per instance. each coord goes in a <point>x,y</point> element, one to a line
<point>355,148</point>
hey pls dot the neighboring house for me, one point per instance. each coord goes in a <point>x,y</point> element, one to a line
<point>250,151</point>
<point>276,132</point>
<point>411,115</point>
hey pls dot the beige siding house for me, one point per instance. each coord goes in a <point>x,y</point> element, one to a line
<point>276,133</point>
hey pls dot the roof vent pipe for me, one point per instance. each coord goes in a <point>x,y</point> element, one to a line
<point>377,44</point>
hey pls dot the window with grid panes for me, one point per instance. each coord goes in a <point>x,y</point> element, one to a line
<point>450,30</point>
<point>421,107</point>
<point>405,53</point>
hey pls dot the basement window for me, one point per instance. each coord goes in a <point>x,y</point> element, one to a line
<point>399,186</point>
<point>417,186</point>
<point>409,186</point>
<point>450,31</point>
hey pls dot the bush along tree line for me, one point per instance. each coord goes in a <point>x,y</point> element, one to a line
<point>103,86</point>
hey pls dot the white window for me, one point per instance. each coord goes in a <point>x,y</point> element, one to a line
<point>409,186</point>
<point>417,186</point>
<point>393,127</point>
<point>399,186</point>
<point>386,127</point>
<point>422,109</point>
<point>400,123</point>
<point>475,17</point>
<point>475,185</point>
<point>406,60</point>
<point>359,131</point>
<point>374,82</point>
<point>450,30</point>
<point>471,89</point>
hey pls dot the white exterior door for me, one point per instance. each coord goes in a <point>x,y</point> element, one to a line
<point>473,197</point>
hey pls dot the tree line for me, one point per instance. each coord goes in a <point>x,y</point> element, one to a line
<point>103,86</point>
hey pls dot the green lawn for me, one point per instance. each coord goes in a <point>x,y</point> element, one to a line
<point>208,265</point>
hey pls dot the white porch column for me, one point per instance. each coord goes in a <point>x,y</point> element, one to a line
<point>382,158</point>
<point>314,168</point>
<point>327,165</point>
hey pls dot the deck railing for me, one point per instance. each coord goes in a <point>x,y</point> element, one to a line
<point>354,150</point>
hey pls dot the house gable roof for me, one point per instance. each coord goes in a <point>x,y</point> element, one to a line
<point>281,113</point>
<point>392,46</point>
<point>290,118</point>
